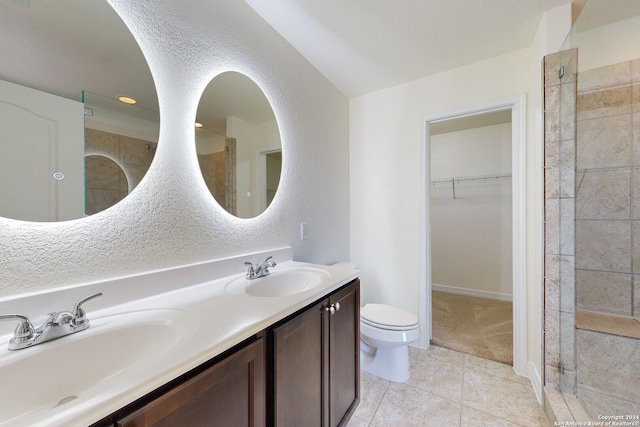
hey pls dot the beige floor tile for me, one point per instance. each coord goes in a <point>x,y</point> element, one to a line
<point>357,421</point>
<point>408,406</point>
<point>503,398</point>
<point>474,418</point>
<point>436,376</point>
<point>494,368</point>
<point>372,390</point>
<point>492,395</point>
<point>440,353</point>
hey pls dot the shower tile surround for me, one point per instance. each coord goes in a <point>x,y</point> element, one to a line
<point>607,208</point>
<point>219,173</point>
<point>114,159</point>
<point>598,142</point>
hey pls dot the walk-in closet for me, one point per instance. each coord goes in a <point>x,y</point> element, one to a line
<point>471,235</point>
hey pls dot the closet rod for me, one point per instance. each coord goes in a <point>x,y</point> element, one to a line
<point>470,178</point>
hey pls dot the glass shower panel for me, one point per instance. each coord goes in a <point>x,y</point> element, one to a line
<point>594,170</point>
<point>567,204</point>
<point>560,100</point>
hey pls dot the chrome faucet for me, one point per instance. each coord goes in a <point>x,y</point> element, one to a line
<point>58,324</point>
<point>260,270</point>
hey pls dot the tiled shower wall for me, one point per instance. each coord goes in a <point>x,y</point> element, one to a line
<point>608,236</point>
<point>592,198</point>
<point>115,164</point>
<point>608,203</point>
<point>219,173</point>
<point>559,176</point>
<point>213,168</point>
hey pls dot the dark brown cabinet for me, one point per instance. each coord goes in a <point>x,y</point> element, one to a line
<point>344,355</point>
<point>302,371</point>
<point>230,393</point>
<point>316,362</point>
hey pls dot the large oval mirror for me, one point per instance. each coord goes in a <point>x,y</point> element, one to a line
<point>238,144</point>
<point>64,65</point>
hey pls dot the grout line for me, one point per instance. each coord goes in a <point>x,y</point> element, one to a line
<point>496,416</point>
<point>373,417</point>
<point>464,370</point>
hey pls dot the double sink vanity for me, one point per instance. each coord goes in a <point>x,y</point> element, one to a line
<point>190,346</point>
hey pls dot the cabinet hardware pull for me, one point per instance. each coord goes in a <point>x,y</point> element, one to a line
<point>333,308</point>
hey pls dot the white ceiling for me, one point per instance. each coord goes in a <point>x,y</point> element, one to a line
<point>363,46</point>
<point>66,47</point>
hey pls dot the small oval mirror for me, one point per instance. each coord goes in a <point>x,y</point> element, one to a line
<point>238,144</point>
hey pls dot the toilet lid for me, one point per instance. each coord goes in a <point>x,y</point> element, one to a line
<point>387,317</point>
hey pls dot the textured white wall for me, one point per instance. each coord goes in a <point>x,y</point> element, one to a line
<point>386,128</point>
<point>386,138</point>
<point>170,218</point>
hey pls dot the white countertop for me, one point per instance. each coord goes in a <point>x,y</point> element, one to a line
<point>204,320</point>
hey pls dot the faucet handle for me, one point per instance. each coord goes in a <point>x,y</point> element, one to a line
<point>24,330</point>
<point>250,270</point>
<point>79,313</point>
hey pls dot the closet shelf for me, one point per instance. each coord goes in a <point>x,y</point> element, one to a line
<point>470,178</point>
<point>456,180</point>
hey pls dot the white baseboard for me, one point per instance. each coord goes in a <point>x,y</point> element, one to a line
<point>536,381</point>
<point>472,292</point>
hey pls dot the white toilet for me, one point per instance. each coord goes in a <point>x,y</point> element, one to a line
<point>386,333</point>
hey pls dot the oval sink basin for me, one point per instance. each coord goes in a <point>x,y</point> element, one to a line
<point>72,368</point>
<point>280,283</point>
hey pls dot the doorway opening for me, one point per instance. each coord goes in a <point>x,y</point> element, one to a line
<point>269,171</point>
<point>457,248</point>
<point>470,211</point>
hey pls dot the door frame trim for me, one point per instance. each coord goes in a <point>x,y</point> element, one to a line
<point>517,105</point>
<point>261,176</point>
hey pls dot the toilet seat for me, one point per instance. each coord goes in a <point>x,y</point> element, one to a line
<point>387,317</point>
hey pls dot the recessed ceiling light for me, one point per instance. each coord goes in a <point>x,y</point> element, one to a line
<point>198,125</point>
<point>127,100</point>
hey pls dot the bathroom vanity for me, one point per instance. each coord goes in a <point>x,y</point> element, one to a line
<point>316,362</point>
<point>164,355</point>
<point>303,371</point>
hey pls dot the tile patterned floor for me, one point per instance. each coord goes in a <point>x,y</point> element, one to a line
<point>448,388</point>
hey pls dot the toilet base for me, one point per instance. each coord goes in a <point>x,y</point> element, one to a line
<point>389,363</point>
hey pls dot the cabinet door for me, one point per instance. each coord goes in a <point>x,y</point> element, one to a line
<point>230,393</point>
<point>298,370</point>
<point>344,354</point>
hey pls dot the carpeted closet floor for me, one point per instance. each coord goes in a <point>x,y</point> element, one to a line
<point>477,326</point>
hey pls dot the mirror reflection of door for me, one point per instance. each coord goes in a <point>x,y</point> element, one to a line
<point>41,150</point>
<point>273,167</point>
